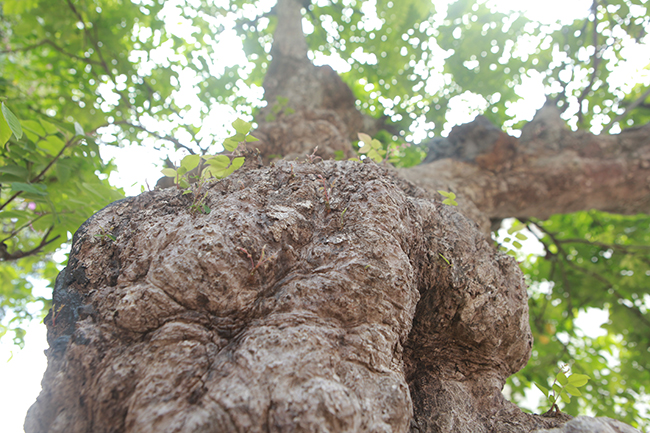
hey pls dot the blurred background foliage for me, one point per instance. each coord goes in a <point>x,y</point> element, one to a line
<point>81,75</point>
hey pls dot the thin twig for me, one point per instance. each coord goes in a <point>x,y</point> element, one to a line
<point>6,256</point>
<point>42,173</point>
<point>177,143</point>
<point>56,47</point>
<point>628,109</point>
<point>595,60</point>
<point>624,248</point>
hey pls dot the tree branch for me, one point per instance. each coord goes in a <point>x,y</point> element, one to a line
<point>595,60</point>
<point>42,173</point>
<point>56,47</point>
<point>91,40</point>
<point>552,171</point>
<point>628,109</point>
<point>5,256</point>
<point>175,141</point>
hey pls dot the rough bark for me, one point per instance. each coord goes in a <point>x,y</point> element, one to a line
<point>548,170</point>
<point>365,306</point>
<point>325,108</point>
<point>322,296</point>
<point>172,327</point>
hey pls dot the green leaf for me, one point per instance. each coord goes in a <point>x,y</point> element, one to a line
<point>447,194</point>
<point>33,188</point>
<point>366,148</point>
<point>521,236</point>
<point>219,161</point>
<point>251,139</point>
<point>5,131</point>
<point>565,397</point>
<point>541,388</point>
<point>7,214</point>
<point>375,156</point>
<point>181,170</point>
<point>34,127</point>
<point>49,127</point>
<point>365,138</point>
<point>52,144</point>
<point>450,202</point>
<point>516,244</point>
<point>169,172</point>
<point>241,126</point>
<point>238,162</point>
<point>190,162</point>
<point>15,170</point>
<point>230,144</point>
<point>572,390</point>
<point>12,121</point>
<point>561,378</point>
<point>516,226</point>
<point>578,379</point>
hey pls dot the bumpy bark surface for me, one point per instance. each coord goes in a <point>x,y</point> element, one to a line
<point>548,170</point>
<point>322,297</point>
<point>362,305</point>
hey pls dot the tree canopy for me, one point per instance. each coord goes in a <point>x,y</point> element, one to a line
<point>78,75</point>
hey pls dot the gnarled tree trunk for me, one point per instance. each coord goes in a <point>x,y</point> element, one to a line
<point>320,295</point>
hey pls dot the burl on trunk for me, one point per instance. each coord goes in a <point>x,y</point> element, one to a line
<point>329,296</point>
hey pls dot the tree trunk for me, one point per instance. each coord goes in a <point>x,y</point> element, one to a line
<point>321,296</point>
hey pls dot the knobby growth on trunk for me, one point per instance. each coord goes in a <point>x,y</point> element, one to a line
<point>322,295</point>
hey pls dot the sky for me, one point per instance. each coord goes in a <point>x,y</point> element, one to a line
<point>139,167</point>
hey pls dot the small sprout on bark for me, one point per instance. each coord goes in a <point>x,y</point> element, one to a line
<point>372,147</point>
<point>313,157</point>
<point>325,192</point>
<point>446,260</point>
<point>343,214</point>
<point>56,314</point>
<point>260,262</point>
<point>104,235</point>
<point>450,198</point>
<point>564,386</point>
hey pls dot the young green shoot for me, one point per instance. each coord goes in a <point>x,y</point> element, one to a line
<point>564,386</point>
<point>450,198</point>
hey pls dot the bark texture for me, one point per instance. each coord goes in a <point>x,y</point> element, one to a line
<point>322,296</point>
<point>548,170</point>
<point>325,108</point>
<point>347,317</point>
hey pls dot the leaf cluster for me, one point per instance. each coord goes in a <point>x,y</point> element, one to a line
<point>598,263</point>
<point>563,387</point>
<point>51,181</point>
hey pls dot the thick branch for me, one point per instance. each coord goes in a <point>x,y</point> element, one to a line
<point>549,170</point>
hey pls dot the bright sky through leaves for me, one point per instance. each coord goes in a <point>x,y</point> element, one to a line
<point>137,164</point>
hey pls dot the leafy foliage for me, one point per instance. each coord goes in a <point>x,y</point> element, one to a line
<point>564,386</point>
<point>593,261</point>
<point>125,71</point>
<point>51,181</point>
